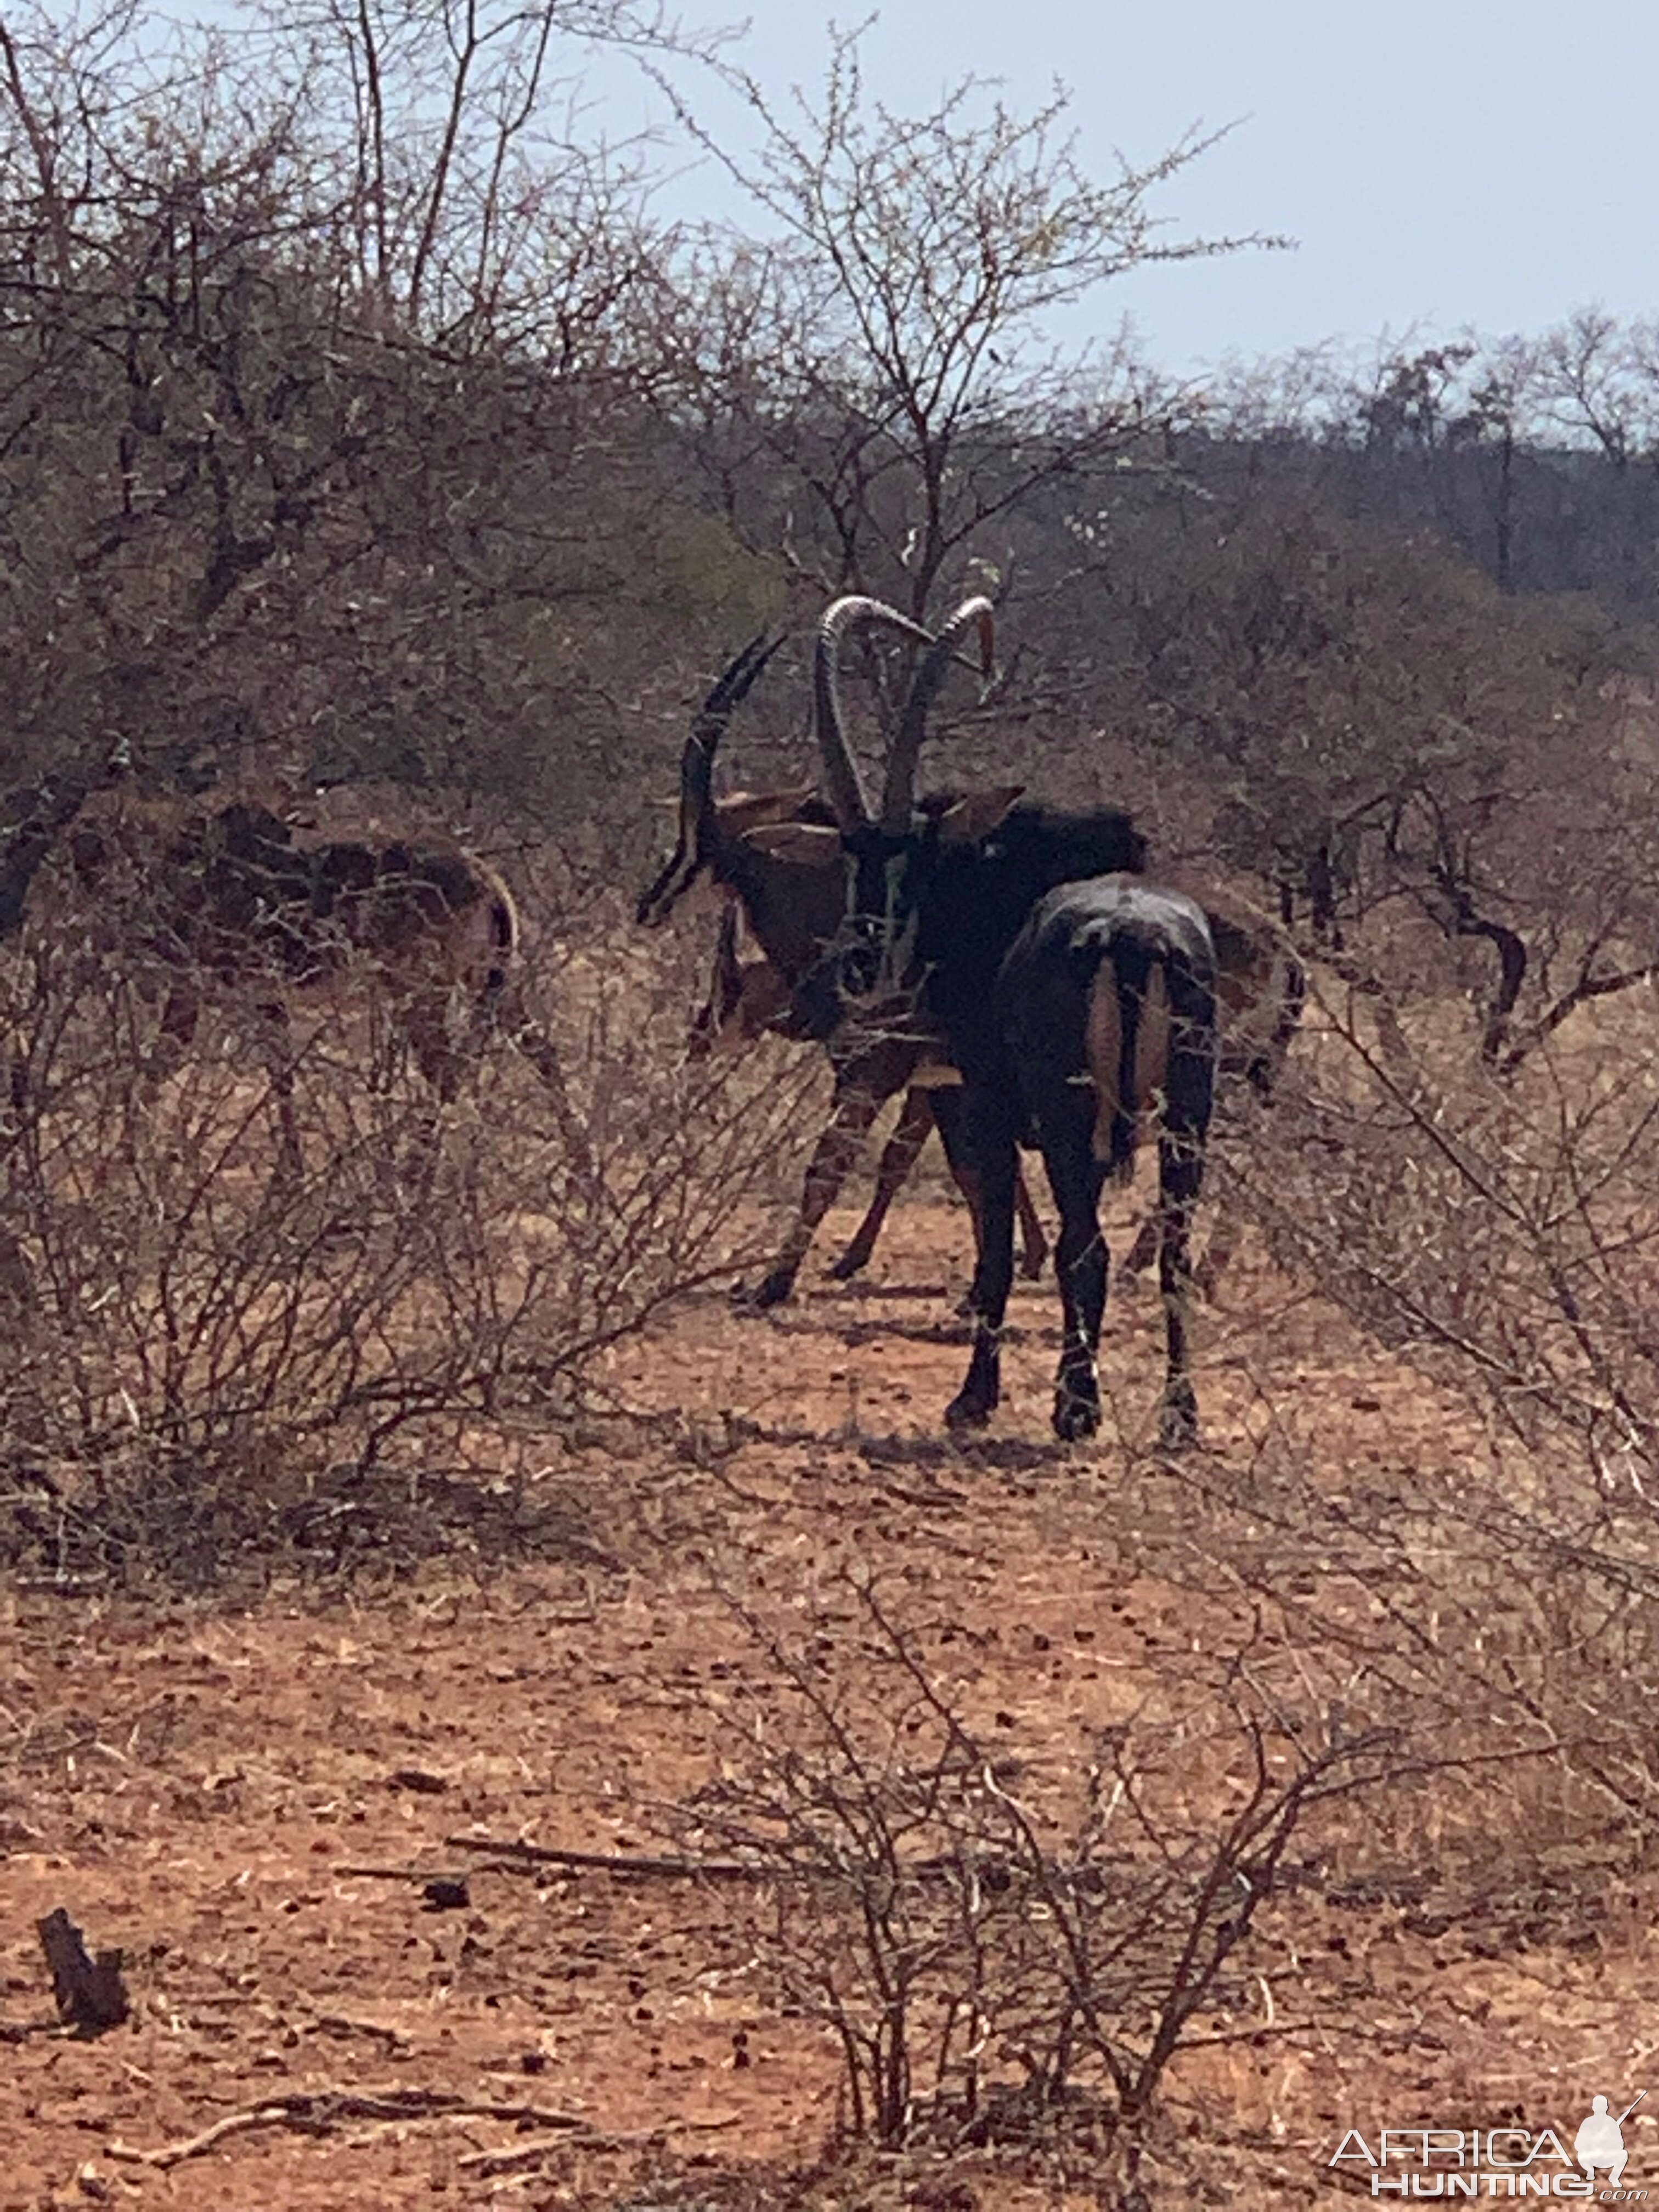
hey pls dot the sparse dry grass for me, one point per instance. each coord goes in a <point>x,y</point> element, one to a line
<point>620,1564</point>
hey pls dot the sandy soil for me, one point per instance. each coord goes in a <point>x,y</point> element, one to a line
<point>251,1803</point>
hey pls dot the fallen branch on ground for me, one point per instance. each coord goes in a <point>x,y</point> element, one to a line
<point>683,1870</point>
<point>315,2111</point>
<point>521,2158</point>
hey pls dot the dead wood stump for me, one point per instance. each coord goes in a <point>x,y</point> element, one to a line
<point>90,1992</point>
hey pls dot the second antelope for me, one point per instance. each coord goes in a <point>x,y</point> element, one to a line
<point>750,998</point>
<point>222,899</point>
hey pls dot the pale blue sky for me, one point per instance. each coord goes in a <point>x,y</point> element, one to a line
<point>1487,162</point>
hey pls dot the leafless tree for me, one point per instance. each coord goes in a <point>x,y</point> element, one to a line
<point>873,380</point>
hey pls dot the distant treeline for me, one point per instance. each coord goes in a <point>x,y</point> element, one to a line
<point>1536,459</point>
<point>363,423</point>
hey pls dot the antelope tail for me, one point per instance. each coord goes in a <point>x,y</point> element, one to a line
<point>1132,965</point>
<point>1126,1044</point>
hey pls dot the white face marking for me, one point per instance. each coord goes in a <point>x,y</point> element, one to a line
<point>898,940</point>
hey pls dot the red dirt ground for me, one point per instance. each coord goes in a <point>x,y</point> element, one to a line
<point>205,1788</point>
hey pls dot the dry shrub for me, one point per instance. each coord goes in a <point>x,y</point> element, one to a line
<point>202,1345</point>
<point>1497,1233</point>
<point>1498,1227</point>
<point>1012,1941</point>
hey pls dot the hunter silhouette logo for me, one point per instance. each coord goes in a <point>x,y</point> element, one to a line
<point>1601,2141</point>
<point>1468,2163</point>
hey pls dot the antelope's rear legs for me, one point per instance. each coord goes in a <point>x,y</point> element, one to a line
<point>1076,1178</point>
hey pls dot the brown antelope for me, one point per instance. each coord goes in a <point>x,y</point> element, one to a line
<point>749,999</point>
<point>791,910</point>
<point>213,899</point>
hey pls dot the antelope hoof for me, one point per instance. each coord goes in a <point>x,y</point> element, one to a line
<point>771,1291</point>
<point>968,1409</point>
<point>1177,1428</point>
<point>852,1263</point>
<point>1075,1416</point>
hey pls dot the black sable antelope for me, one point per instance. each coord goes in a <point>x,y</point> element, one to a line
<point>745,844</point>
<point>214,900</point>
<point>1076,1003</point>
<point>1260,989</point>
<point>1104,1014</point>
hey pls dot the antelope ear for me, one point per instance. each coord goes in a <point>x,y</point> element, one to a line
<point>748,809</point>
<point>978,814</point>
<point>807,844</point>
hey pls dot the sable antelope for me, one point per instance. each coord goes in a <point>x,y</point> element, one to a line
<point>225,896</point>
<point>1261,988</point>
<point>1260,985</point>
<point>742,843</point>
<point>1075,1005</point>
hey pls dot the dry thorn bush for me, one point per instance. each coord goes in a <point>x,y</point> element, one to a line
<point>206,1352</point>
<point>1008,1942</point>
<point>1495,1232</point>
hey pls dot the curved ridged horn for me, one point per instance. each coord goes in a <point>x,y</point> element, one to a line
<point>697,800</point>
<point>898,793</point>
<point>841,775</point>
